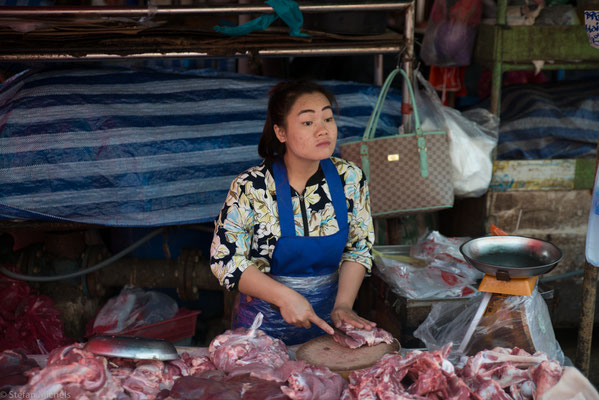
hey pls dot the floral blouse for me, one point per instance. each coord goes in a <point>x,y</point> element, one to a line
<point>247,229</point>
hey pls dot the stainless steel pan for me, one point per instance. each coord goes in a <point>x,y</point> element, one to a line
<point>506,257</point>
<point>132,347</point>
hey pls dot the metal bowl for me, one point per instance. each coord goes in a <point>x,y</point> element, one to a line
<point>132,347</point>
<point>508,257</point>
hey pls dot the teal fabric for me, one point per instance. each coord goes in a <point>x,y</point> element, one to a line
<point>287,10</point>
<point>260,23</point>
<point>290,13</point>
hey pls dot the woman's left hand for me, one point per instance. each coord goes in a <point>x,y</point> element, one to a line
<point>346,314</point>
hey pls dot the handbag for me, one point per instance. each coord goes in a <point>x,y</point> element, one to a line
<point>407,173</point>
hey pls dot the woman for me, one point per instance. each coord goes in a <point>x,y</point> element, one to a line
<point>295,233</point>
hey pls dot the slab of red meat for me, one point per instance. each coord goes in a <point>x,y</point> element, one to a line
<point>207,387</point>
<point>258,389</point>
<point>353,337</point>
<point>13,365</point>
<point>317,383</point>
<point>193,387</point>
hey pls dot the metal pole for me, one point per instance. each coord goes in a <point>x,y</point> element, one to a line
<point>408,66</point>
<point>378,70</point>
<point>587,314</point>
<point>18,11</point>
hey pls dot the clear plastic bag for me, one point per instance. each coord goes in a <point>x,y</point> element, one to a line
<point>435,270</point>
<point>472,138</point>
<point>132,308</point>
<point>509,321</point>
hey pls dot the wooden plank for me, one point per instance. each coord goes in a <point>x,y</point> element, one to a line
<point>514,175</point>
<point>522,44</point>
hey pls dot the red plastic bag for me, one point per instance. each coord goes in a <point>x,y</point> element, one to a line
<point>450,32</point>
<point>28,321</point>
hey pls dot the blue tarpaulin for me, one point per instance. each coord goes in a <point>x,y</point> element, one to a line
<point>123,147</point>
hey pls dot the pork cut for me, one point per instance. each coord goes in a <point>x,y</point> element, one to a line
<point>352,337</point>
<point>247,349</point>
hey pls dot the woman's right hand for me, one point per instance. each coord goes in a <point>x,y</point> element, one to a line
<point>298,311</point>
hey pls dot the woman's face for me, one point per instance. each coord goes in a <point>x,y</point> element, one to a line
<point>311,131</point>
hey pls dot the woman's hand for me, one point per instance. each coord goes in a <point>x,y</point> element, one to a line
<point>342,314</point>
<point>298,311</point>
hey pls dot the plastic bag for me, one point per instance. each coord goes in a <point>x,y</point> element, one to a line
<point>509,321</point>
<point>450,32</point>
<point>132,308</point>
<point>444,253</point>
<point>437,270</point>
<point>472,138</point>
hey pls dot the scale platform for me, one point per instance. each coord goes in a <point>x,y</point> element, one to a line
<point>515,286</point>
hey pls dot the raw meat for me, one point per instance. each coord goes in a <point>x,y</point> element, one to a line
<point>503,373</point>
<point>13,365</point>
<point>28,320</point>
<point>248,349</point>
<point>72,373</point>
<point>418,375</point>
<point>249,365</point>
<point>314,383</point>
<point>353,337</point>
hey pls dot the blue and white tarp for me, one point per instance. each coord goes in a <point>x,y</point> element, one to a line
<point>547,121</point>
<point>122,147</point>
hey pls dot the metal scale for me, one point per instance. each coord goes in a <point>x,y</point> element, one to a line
<point>512,266</point>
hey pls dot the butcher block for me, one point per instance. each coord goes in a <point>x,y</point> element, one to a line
<point>324,351</point>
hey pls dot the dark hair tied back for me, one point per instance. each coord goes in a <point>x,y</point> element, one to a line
<point>282,97</point>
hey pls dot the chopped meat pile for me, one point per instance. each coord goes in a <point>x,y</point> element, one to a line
<point>241,364</point>
<point>246,364</point>
<point>503,373</point>
<point>353,337</point>
<point>497,374</point>
<point>418,375</point>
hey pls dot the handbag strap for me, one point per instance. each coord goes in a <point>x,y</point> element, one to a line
<point>373,122</point>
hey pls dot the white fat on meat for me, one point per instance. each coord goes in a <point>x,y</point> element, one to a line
<point>546,375</point>
<point>519,375</point>
<point>353,337</point>
<point>72,372</point>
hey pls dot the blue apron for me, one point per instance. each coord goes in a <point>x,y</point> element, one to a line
<point>306,264</point>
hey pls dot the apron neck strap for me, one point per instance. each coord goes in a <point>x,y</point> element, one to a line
<point>337,193</point>
<point>283,198</point>
<point>284,195</point>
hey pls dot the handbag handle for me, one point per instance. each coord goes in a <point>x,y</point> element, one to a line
<point>373,122</point>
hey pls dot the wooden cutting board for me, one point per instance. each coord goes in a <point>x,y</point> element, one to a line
<point>324,351</point>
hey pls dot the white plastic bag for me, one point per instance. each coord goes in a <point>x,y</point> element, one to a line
<point>472,139</point>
